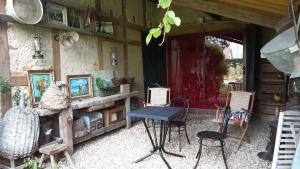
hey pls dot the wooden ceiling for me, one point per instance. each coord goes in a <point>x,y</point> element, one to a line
<point>265,13</point>
<point>271,7</point>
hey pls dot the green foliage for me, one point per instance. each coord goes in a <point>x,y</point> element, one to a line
<point>99,82</point>
<point>4,85</point>
<point>164,27</point>
<point>31,163</point>
<point>17,96</point>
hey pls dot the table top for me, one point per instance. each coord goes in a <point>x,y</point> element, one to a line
<point>156,113</point>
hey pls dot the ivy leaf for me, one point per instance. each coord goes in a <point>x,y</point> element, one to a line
<point>171,14</point>
<point>170,21</point>
<point>177,21</point>
<point>167,28</point>
<point>164,3</point>
<point>157,33</point>
<point>148,38</point>
<point>153,30</point>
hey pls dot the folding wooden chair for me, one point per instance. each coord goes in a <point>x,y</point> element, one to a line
<point>157,96</point>
<point>239,101</point>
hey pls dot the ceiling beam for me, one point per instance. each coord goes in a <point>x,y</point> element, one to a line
<point>230,12</point>
<point>208,27</point>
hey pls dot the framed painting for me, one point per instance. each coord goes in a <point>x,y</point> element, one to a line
<point>39,81</point>
<point>80,86</point>
<point>57,14</point>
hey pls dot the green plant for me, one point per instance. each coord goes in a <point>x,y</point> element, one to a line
<point>17,97</point>
<point>100,82</point>
<point>165,26</point>
<point>31,163</point>
<point>4,85</point>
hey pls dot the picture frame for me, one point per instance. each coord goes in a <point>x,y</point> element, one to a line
<point>80,86</point>
<point>38,82</point>
<point>57,14</point>
<point>75,18</point>
<point>105,27</point>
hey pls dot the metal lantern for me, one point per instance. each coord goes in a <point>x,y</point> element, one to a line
<point>114,56</point>
<point>37,46</point>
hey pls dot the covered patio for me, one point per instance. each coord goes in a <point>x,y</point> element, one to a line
<point>100,84</point>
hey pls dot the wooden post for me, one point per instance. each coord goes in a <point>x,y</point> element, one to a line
<point>66,128</point>
<point>128,109</point>
<point>5,99</point>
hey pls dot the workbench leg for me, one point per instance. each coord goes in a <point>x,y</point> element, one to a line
<point>41,160</point>
<point>65,128</point>
<point>128,109</point>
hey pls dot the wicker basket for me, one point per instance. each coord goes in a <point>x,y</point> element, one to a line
<point>19,132</point>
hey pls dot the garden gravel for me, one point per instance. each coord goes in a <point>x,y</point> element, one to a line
<point>118,150</point>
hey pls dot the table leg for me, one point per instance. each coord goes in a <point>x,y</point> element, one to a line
<point>152,142</point>
<point>161,143</point>
<point>165,128</point>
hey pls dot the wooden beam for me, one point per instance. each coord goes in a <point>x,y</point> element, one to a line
<point>56,57</point>
<point>124,21</point>
<point>208,27</point>
<point>230,12</point>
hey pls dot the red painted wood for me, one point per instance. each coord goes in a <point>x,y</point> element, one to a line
<point>193,71</point>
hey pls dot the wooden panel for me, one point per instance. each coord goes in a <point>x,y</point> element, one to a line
<point>56,57</point>
<point>265,88</point>
<point>266,109</point>
<point>268,68</point>
<point>18,80</point>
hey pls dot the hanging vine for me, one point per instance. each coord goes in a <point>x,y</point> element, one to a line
<point>168,20</point>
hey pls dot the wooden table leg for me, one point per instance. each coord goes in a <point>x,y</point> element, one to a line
<point>53,163</point>
<point>128,109</point>
<point>12,164</point>
<point>68,158</point>
<point>41,160</point>
<point>66,128</point>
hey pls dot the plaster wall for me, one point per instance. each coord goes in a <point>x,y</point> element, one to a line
<point>134,11</point>
<point>135,68</point>
<point>82,58</point>
<point>119,69</point>
<point>21,48</point>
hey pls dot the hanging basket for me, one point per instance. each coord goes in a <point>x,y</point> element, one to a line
<point>19,132</point>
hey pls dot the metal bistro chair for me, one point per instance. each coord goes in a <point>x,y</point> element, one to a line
<point>217,136</point>
<point>180,121</point>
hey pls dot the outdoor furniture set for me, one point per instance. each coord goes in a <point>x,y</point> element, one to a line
<point>172,113</point>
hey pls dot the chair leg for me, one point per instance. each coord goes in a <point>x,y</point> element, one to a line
<point>198,154</point>
<point>170,133</point>
<point>187,137</point>
<point>12,164</point>
<point>223,153</point>
<point>179,138</point>
<point>242,137</point>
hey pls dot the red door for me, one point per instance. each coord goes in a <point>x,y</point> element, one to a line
<point>195,71</point>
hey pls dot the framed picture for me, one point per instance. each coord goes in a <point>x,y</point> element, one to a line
<point>79,86</point>
<point>57,14</point>
<point>105,27</point>
<point>39,81</point>
<point>75,18</point>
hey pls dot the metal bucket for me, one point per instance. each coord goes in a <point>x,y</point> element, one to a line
<point>25,11</point>
<point>281,51</point>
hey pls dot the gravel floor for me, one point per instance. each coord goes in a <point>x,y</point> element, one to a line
<point>119,149</point>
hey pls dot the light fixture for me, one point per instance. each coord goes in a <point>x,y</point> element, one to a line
<point>37,46</point>
<point>68,39</point>
<point>114,56</point>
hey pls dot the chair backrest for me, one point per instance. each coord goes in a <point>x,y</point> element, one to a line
<point>181,102</point>
<point>235,86</point>
<point>239,100</point>
<point>157,96</point>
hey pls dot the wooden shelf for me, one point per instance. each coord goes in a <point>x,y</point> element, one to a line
<point>98,132</point>
<point>79,30</point>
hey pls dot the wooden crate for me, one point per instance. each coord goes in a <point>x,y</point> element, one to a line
<point>268,68</point>
<point>114,114</point>
<point>267,88</point>
<point>269,109</point>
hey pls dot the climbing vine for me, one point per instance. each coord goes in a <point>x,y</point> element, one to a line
<point>168,21</point>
